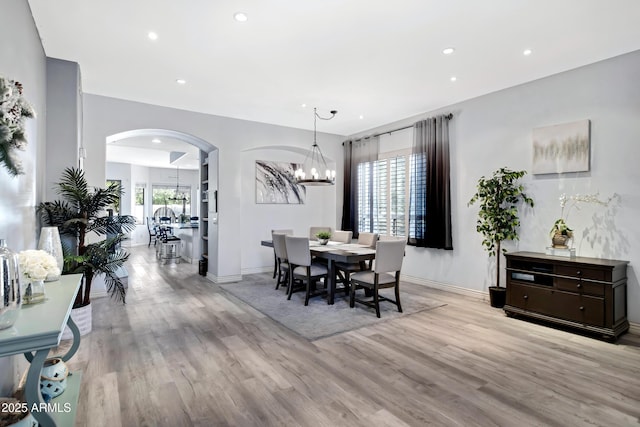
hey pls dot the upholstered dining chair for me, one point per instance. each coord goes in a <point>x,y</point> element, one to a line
<point>342,236</point>
<point>346,269</point>
<point>153,232</point>
<point>280,250</point>
<point>385,274</point>
<point>275,258</point>
<point>301,270</point>
<point>315,230</point>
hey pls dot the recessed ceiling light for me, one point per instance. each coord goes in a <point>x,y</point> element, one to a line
<point>453,78</point>
<point>527,52</point>
<point>156,141</point>
<point>240,17</point>
<point>303,105</point>
<point>152,35</point>
<point>181,81</point>
<point>361,116</point>
<point>448,51</point>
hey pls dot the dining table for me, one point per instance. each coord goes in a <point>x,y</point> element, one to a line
<point>333,252</point>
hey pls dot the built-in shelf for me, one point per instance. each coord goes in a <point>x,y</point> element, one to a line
<point>205,237</point>
<point>206,181</point>
<point>205,201</point>
<point>205,256</point>
<point>205,219</point>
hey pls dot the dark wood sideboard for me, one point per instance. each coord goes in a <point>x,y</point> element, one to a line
<point>589,294</point>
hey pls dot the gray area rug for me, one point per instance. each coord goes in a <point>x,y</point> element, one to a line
<point>318,319</point>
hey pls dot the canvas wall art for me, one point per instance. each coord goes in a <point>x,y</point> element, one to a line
<point>561,148</point>
<point>276,183</point>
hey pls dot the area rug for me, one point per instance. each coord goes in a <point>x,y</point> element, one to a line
<point>318,319</point>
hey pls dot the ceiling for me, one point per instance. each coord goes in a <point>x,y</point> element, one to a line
<point>374,61</point>
<point>154,152</point>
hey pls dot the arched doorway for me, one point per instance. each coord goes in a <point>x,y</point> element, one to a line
<point>207,183</point>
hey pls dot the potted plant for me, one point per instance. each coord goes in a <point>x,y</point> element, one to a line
<point>499,197</point>
<point>323,237</point>
<point>83,210</point>
<point>560,234</point>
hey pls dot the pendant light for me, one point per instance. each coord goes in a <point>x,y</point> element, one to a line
<point>314,171</point>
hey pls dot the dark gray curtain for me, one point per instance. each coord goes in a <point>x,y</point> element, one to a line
<point>430,198</point>
<point>350,191</point>
<point>355,152</point>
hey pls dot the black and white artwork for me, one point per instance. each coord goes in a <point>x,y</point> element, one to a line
<point>561,148</point>
<point>276,183</point>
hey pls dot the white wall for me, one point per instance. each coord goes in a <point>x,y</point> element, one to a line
<point>234,138</point>
<point>22,58</point>
<point>494,130</point>
<point>318,210</point>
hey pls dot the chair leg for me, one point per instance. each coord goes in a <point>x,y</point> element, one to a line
<point>398,297</point>
<point>291,279</point>
<point>352,295</point>
<point>376,300</point>
<point>275,264</point>
<point>308,292</point>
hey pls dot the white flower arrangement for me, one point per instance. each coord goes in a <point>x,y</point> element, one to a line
<point>560,226</point>
<point>37,264</point>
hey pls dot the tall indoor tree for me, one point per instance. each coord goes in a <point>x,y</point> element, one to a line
<point>82,210</point>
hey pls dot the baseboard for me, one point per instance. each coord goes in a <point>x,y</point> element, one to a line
<point>224,279</point>
<point>445,286</point>
<point>257,270</point>
<point>634,328</point>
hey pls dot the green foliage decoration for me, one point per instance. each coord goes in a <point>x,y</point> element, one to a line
<point>82,211</point>
<point>499,197</point>
<point>13,111</point>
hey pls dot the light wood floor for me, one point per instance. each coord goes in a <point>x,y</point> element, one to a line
<point>184,353</point>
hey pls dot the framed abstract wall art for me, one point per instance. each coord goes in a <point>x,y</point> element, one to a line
<point>561,148</point>
<point>276,183</point>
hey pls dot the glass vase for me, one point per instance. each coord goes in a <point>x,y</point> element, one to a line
<point>33,292</point>
<point>50,243</point>
<point>10,286</point>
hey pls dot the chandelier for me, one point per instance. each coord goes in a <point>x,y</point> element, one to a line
<point>315,164</point>
<point>178,195</point>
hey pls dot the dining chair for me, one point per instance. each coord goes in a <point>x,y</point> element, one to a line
<point>275,258</point>
<point>385,274</point>
<point>342,236</point>
<point>280,250</point>
<point>301,270</point>
<point>153,232</point>
<point>315,230</point>
<point>368,239</point>
<point>346,269</point>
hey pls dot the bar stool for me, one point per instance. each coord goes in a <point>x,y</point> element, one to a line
<point>169,250</point>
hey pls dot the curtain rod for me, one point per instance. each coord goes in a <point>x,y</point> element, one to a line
<point>446,116</point>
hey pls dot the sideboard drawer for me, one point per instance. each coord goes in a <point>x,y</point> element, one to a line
<point>531,298</point>
<point>582,272</point>
<point>574,285</point>
<point>579,308</point>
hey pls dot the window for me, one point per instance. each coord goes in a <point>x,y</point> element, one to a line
<point>382,190</point>
<point>116,204</point>
<point>138,209</point>
<point>165,201</point>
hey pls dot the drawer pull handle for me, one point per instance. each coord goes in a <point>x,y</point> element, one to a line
<point>579,273</point>
<point>581,308</point>
<point>526,297</point>
<point>579,285</point>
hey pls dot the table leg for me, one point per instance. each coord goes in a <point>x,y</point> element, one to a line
<point>331,276</point>
<point>32,389</point>
<point>76,340</point>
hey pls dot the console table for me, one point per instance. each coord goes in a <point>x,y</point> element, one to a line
<point>589,294</point>
<point>36,331</point>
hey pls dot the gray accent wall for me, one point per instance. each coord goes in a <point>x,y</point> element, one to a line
<point>22,58</point>
<point>495,130</point>
<point>64,118</point>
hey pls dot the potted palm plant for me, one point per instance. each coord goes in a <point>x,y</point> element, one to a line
<point>499,197</point>
<point>82,211</point>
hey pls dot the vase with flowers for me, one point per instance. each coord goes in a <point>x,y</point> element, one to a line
<point>35,266</point>
<point>561,233</point>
